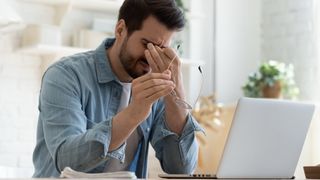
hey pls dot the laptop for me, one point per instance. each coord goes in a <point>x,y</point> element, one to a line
<point>264,141</point>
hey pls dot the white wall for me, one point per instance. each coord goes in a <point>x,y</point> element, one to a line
<point>289,34</point>
<point>237,46</point>
<point>202,40</point>
<point>20,77</point>
<point>20,80</point>
<point>19,89</point>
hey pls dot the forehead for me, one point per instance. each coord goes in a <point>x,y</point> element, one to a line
<point>155,32</point>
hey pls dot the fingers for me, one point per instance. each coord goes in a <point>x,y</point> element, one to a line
<point>153,83</point>
<point>157,91</point>
<point>155,96</point>
<point>165,58</point>
<point>157,59</point>
<point>152,86</point>
<point>166,76</point>
<point>152,80</point>
<point>151,62</point>
<point>167,72</point>
<point>169,52</point>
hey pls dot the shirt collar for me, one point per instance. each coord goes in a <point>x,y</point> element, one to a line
<point>102,63</point>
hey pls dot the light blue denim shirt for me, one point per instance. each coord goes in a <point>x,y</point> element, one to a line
<point>79,97</point>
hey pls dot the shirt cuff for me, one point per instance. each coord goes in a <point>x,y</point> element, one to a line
<point>118,153</point>
<point>102,134</point>
<point>190,127</point>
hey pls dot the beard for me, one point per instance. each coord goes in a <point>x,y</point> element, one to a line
<point>129,63</point>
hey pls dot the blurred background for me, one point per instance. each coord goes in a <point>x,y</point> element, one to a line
<point>232,40</point>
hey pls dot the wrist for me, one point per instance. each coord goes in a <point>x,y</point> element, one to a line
<point>137,113</point>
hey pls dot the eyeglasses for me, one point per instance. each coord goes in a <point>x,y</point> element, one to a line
<point>180,102</point>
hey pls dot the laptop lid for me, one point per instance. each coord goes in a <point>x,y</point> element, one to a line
<point>265,139</point>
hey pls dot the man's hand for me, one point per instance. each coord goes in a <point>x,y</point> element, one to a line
<point>160,60</point>
<point>147,89</point>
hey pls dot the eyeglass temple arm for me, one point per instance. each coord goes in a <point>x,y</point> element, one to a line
<point>199,67</point>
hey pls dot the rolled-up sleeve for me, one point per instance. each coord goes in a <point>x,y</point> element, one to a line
<point>177,154</point>
<point>64,123</point>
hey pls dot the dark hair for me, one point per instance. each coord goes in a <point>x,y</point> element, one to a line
<point>134,12</point>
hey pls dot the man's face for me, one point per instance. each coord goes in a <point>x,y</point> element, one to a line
<point>132,49</point>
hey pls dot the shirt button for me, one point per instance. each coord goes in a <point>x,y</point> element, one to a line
<point>148,129</point>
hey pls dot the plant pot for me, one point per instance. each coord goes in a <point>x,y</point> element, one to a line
<point>272,91</point>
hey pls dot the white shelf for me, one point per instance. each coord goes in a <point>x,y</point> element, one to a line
<point>96,5</point>
<point>99,5</point>
<point>48,50</point>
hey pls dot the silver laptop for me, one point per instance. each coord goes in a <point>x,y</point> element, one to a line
<point>265,140</point>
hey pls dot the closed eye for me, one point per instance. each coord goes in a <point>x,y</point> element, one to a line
<point>144,43</point>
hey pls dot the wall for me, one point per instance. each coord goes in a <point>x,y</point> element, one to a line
<point>237,45</point>
<point>19,89</point>
<point>202,40</point>
<point>20,78</point>
<point>290,34</point>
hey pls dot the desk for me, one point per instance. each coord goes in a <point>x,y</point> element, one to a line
<point>94,178</point>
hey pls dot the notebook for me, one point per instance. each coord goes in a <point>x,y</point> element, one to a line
<point>265,140</point>
<point>73,174</point>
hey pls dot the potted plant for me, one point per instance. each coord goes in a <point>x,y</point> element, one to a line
<point>273,80</point>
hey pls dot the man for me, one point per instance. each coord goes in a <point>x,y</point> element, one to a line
<point>100,109</point>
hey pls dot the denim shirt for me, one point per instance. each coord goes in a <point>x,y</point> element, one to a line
<point>79,97</point>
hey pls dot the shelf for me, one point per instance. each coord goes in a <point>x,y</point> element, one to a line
<point>48,50</point>
<point>96,5</point>
<point>99,5</point>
